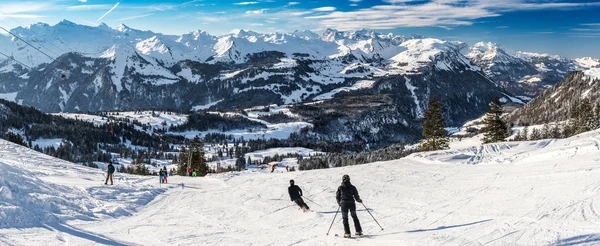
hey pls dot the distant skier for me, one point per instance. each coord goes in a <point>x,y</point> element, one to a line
<point>165,175</point>
<point>296,196</point>
<point>287,168</point>
<point>190,171</point>
<point>345,195</point>
<point>161,177</point>
<point>273,168</point>
<point>194,174</point>
<point>110,169</point>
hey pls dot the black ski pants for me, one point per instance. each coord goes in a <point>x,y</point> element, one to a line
<point>350,206</point>
<point>301,203</point>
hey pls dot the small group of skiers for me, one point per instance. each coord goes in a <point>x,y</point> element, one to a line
<point>191,172</point>
<point>163,175</point>
<point>346,195</point>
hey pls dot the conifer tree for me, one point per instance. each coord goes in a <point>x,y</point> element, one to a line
<point>436,137</point>
<point>495,129</point>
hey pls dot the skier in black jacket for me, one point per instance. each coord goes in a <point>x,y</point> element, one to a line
<point>296,196</point>
<point>345,195</point>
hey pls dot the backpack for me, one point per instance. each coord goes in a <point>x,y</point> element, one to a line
<point>111,169</point>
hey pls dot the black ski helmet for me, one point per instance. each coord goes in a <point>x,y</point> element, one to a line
<point>291,182</point>
<point>345,178</point>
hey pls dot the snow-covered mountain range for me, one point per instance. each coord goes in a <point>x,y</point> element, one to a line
<point>101,68</point>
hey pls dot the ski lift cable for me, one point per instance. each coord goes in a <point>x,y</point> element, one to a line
<point>12,58</point>
<point>19,38</point>
<point>35,34</point>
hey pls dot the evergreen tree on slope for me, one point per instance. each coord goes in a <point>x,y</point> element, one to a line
<point>436,137</point>
<point>495,128</point>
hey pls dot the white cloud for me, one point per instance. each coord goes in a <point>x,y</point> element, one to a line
<point>434,13</point>
<point>353,5</point>
<point>135,17</point>
<point>300,13</point>
<point>356,1</point>
<point>257,24</point>
<point>325,9</point>
<point>256,12</point>
<point>293,3</point>
<point>245,3</point>
<point>108,12</point>
<point>24,7</point>
<point>83,1</point>
<point>89,7</point>
<point>22,16</point>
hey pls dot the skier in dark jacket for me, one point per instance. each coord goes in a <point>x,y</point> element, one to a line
<point>161,176</point>
<point>296,196</point>
<point>346,195</point>
<point>110,169</point>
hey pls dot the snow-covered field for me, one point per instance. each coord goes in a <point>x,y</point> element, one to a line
<point>261,154</point>
<point>157,120</point>
<point>519,193</point>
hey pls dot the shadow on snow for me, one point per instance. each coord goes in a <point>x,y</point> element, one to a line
<point>84,234</point>
<point>449,227</point>
<point>588,239</point>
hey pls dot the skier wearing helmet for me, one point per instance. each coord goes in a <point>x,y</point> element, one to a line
<point>346,195</point>
<point>296,196</point>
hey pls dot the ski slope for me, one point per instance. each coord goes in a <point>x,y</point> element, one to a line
<point>519,193</point>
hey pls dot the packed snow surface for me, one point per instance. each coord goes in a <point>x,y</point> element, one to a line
<point>517,193</point>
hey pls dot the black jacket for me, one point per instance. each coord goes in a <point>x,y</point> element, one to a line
<point>347,193</point>
<point>295,192</point>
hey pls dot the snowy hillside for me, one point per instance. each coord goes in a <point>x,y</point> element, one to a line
<point>518,193</point>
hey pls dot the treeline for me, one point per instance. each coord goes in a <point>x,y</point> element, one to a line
<point>340,159</point>
<point>204,121</point>
<point>82,139</point>
<point>584,117</point>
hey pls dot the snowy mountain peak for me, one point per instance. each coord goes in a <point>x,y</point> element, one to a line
<point>153,44</point>
<point>588,62</point>
<point>528,56</point>
<point>490,53</point>
<point>306,34</point>
<point>241,33</point>
<point>66,22</point>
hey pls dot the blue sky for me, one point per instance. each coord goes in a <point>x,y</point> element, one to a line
<point>565,27</point>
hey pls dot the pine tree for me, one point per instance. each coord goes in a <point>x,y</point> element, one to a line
<point>555,132</point>
<point>525,133</point>
<point>197,161</point>
<point>495,129</point>
<point>546,131</point>
<point>436,137</point>
<point>535,134</point>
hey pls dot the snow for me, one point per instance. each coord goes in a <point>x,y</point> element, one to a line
<point>517,193</point>
<point>588,62</point>
<point>261,154</point>
<point>206,106</point>
<point>362,84</point>
<point>97,120</point>
<point>9,96</point>
<point>38,191</point>
<point>278,131</point>
<point>43,143</point>
<point>285,63</point>
<point>158,120</point>
<point>419,111</point>
<point>593,73</point>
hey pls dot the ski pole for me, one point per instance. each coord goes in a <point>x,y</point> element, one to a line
<point>338,210</point>
<point>372,215</point>
<point>312,201</point>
